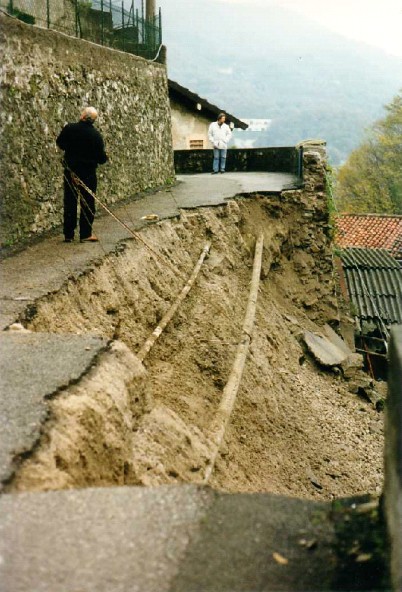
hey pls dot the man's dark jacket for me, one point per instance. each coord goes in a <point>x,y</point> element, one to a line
<point>83,146</point>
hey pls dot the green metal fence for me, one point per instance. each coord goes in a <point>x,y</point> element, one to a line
<point>107,22</point>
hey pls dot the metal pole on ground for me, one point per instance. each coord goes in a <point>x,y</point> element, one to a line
<point>79,183</point>
<point>48,13</point>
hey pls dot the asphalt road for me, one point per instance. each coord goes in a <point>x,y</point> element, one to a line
<point>33,368</point>
<point>171,538</point>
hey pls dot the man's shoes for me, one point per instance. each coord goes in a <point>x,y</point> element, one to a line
<point>214,173</point>
<point>89,239</point>
<point>222,172</point>
<point>68,240</point>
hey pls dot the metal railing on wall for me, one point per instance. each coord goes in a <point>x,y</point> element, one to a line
<point>107,22</point>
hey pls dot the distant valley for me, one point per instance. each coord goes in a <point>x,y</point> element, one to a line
<point>271,63</point>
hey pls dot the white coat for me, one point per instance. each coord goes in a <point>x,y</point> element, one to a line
<point>219,135</point>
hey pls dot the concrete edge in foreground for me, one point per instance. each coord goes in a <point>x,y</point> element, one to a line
<point>393,457</point>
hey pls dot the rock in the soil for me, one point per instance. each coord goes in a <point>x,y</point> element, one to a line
<point>375,427</point>
<point>325,352</point>
<point>18,327</point>
<point>314,480</point>
<point>335,339</point>
<point>352,366</point>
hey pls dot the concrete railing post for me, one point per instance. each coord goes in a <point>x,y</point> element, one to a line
<point>393,457</point>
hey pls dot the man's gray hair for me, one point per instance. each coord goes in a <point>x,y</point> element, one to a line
<point>89,114</point>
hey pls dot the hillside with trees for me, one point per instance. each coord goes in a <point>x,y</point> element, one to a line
<point>371,179</point>
<point>271,63</point>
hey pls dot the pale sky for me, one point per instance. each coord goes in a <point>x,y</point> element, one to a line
<point>377,22</point>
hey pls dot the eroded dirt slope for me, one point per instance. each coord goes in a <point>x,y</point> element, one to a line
<point>295,429</point>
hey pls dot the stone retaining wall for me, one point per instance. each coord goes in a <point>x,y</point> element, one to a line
<point>276,160</point>
<point>46,79</point>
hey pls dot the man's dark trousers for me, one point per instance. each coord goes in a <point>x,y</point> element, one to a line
<point>87,203</point>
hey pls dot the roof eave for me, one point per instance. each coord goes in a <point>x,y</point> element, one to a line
<point>192,100</point>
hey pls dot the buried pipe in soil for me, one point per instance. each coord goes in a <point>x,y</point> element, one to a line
<point>149,343</point>
<point>221,420</point>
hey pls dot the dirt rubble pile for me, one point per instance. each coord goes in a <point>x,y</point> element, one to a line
<point>295,428</point>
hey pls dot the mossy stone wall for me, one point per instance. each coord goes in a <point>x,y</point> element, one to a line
<point>46,78</point>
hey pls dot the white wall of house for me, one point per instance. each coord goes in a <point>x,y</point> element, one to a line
<point>189,130</point>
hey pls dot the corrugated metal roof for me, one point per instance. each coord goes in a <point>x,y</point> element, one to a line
<point>370,258</point>
<point>374,282</point>
<point>370,231</point>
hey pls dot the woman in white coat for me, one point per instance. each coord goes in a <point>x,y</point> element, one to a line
<point>219,135</point>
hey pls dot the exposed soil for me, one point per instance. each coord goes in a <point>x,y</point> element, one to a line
<point>295,429</point>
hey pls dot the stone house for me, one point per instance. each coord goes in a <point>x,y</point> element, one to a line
<point>191,117</point>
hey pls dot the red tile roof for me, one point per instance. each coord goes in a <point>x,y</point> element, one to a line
<point>370,231</point>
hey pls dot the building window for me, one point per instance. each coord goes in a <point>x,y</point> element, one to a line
<point>196,144</point>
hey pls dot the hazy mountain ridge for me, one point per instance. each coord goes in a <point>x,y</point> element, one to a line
<point>272,63</point>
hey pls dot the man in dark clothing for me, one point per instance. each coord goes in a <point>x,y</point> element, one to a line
<point>84,150</point>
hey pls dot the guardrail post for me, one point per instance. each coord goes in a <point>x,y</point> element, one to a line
<point>160,26</point>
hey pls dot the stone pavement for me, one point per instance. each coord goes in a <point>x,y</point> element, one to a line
<point>43,268</point>
<point>171,538</point>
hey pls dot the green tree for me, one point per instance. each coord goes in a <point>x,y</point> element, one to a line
<point>371,179</point>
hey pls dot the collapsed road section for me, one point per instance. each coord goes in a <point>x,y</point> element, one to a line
<point>184,364</point>
<point>295,428</point>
